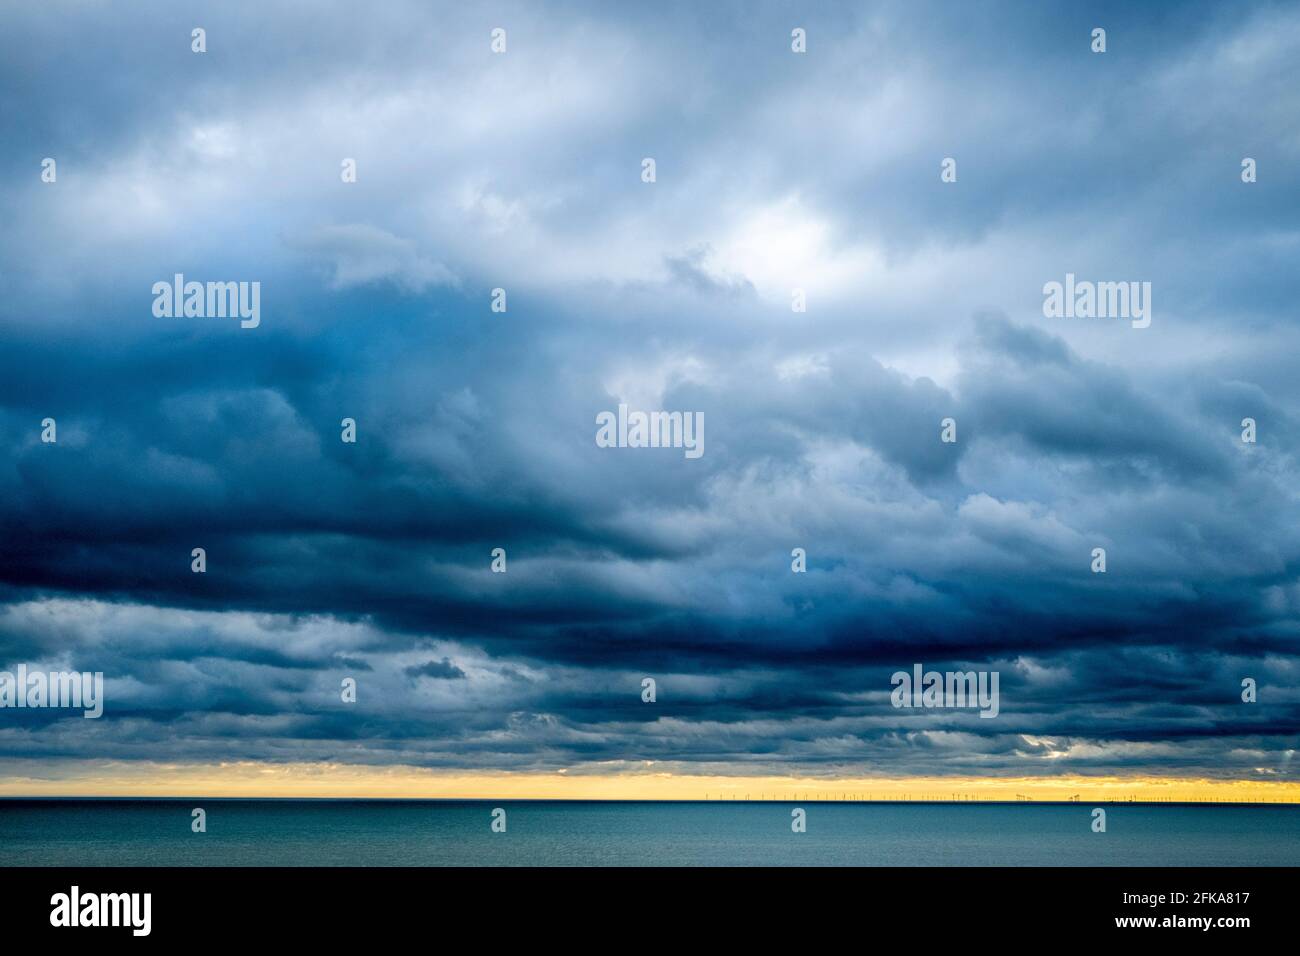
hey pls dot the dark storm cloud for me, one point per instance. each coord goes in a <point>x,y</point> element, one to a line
<point>443,669</point>
<point>475,429</point>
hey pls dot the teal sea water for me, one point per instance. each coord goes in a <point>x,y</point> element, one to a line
<point>563,833</point>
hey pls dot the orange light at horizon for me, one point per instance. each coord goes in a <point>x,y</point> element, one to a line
<point>320,780</point>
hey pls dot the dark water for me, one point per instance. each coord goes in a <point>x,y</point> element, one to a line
<point>542,833</point>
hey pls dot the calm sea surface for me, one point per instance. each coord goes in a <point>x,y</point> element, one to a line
<point>558,833</point>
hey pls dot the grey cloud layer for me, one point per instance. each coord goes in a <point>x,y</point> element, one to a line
<point>475,429</point>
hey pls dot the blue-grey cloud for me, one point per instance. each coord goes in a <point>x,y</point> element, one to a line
<point>475,428</point>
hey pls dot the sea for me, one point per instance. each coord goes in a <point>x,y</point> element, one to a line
<point>322,833</point>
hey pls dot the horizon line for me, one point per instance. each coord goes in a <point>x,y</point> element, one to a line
<point>767,798</point>
<point>619,782</point>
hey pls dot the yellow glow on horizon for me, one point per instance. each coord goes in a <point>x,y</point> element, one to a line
<point>253,779</point>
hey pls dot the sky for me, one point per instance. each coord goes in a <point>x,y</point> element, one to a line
<point>475,429</point>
